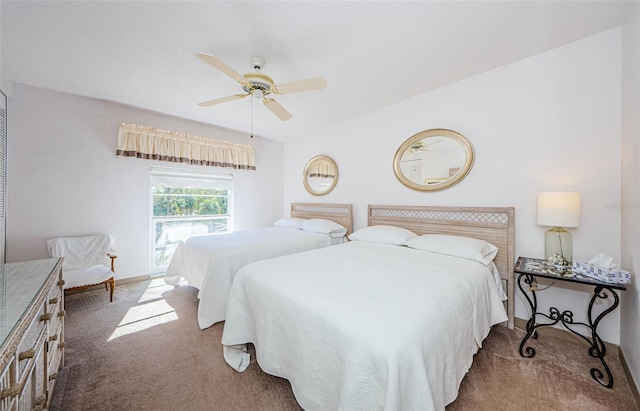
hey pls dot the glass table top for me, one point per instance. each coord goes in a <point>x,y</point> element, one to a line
<point>540,268</point>
<point>19,284</point>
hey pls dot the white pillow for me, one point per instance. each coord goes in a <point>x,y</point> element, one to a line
<point>385,234</point>
<point>455,245</point>
<point>290,222</point>
<point>320,225</point>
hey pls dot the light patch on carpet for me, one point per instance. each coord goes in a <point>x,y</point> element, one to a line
<point>144,316</point>
<point>154,290</point>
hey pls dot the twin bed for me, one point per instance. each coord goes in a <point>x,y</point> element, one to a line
<point>374,323</point>
<point>210,262</point>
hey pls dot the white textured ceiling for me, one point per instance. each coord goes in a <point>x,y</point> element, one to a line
<point>373,54</point>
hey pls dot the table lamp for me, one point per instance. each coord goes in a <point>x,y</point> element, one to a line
<point>558,210</point>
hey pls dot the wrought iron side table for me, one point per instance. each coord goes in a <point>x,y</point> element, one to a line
<point>527,270</point>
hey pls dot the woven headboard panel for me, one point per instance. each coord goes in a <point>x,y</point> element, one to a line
<point>340,213</point>
<point>492,224</point>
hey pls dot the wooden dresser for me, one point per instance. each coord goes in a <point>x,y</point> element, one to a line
<point>31,331</point>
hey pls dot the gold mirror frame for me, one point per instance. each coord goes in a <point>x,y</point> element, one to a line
<point>446,183</point>
<point>316,162</point>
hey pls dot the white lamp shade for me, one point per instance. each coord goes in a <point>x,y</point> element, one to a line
<point>559,209</point>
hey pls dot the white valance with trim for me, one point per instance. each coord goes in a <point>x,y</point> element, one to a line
<point>155,144</point>
<point>321,168</point>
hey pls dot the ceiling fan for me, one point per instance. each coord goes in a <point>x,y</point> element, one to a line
<point>260,85</point>
<point>422,146</point>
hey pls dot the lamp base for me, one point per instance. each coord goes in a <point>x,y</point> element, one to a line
<point>557,242</point>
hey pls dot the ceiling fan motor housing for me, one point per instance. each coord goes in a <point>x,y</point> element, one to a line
<point>259,84</point>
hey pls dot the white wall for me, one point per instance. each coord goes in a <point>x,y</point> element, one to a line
<point>550,122</point>
<point>64,178</point>
<point>630,198</point>
<point>5,84</point>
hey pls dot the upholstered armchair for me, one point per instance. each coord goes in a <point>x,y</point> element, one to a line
<point>88,261</point>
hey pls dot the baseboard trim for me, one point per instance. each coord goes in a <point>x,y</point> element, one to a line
<point>634,386</point>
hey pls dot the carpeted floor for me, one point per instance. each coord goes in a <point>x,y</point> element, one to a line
<point>145,351</point>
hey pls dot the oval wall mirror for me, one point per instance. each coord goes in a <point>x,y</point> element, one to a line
<point>433,160</point>
<point>320,175</point>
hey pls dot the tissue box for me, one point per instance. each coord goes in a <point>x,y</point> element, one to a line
<point>611,275</point>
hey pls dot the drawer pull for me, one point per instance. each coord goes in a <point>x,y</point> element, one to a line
<point>62,345</point>
<point>53,301</point>
<point>10,392</point>
<point>45,317</point>
<point>53,376</point>
<point>30,353</point>
<point>61,314</point>
<point>53,337</point>
<point>61,283</point>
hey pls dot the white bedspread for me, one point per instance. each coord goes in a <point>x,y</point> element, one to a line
<point>210,262</point>
<point>363,326</point>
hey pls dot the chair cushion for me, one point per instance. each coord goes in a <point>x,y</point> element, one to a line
<point>92,275</point>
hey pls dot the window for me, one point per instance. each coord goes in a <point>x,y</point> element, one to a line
<point>186,203</point>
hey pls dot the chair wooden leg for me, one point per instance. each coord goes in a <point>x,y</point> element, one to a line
<point>112,283</point>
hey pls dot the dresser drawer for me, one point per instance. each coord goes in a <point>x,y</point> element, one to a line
<point>55,362</point>
<point>33,393</point>
<point>8,387</point>
<point>55,347</point>
<point>27,347</point>
<point>55,318</point>
<point>54,297</point>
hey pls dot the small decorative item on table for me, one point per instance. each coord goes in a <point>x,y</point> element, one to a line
<point>552,270</point>
<point>558,260</point>
<point>607,275</point>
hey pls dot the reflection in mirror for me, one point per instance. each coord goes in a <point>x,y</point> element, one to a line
<point>320,175</point>
<point>433,160</point>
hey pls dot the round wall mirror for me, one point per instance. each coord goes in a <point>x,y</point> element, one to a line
<point>433,160</point>
<point>320,175</point>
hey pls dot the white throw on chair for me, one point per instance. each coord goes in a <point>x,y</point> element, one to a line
<point>86,260</point>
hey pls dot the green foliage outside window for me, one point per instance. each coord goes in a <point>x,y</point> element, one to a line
<point>173,202</point>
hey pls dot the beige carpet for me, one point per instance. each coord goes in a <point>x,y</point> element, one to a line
<point>145,351</point>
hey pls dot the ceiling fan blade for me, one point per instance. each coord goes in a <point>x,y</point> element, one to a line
<point>277,109</point>
<point>222,100</point>
<point>432,143</point>
<point>310,84</point>
<point>215,62</point>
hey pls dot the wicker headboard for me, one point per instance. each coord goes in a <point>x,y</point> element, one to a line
<point>340,213</point>
<point>492,224</point>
